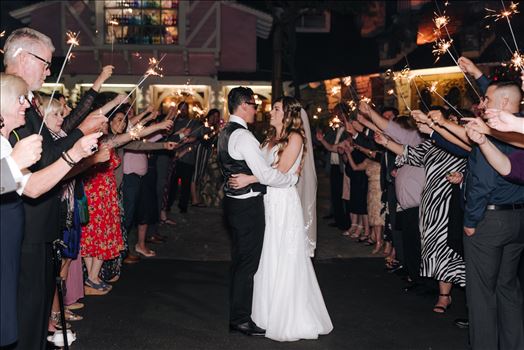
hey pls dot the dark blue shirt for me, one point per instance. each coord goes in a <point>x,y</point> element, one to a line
<point>440,141</point>
<point>485,186</point>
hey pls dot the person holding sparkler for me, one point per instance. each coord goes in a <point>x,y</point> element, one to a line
<point>27,54</point>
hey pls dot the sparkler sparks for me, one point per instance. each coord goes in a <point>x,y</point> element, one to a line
<point>347,80</point>
<point>517,61</point>
<point>335,90</point>
<point>440,21</point>
<point>72,38</point>
<point>335,122</point>
<point>441,47</point>
<point>504,13</point>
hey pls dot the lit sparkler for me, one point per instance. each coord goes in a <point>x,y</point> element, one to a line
<point>505,13</point>
<point>441,47</point>
<point>72,40</point>
<point>154,69</point>
<point>433,89</point>
<point>392,92</point>
<point>335,122</point>
<point>113,23</point>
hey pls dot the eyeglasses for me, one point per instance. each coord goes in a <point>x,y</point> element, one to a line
<point>254,104</point>
<point>22,99</point>
<point>47,64</point>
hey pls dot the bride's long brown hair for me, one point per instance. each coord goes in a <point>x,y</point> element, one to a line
<point>291,123</point>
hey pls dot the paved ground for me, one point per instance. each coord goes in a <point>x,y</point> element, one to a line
<point>179,299</point>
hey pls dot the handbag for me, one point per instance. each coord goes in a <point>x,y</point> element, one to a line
<point>83,209</point>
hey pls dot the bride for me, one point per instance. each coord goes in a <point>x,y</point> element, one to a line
<point>287,300</point>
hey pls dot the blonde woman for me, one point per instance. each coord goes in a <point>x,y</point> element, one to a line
<point>25,153</point>
<point>287,301</point>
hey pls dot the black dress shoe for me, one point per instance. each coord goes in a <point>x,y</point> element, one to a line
<point>247,328</point>
<point>461,323</point>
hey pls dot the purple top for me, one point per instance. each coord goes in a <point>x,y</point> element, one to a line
<point>410,179</point>
<point>517,167</point>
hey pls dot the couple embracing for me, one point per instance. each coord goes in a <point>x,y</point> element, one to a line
<point>273,290</point>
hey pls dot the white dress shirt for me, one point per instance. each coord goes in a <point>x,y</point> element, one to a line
<point>5,152</point>
<point>244,146</point>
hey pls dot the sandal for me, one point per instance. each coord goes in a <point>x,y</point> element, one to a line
<point>442,309</point>
<point>146,254</point>
<point>71,316</point>
<point>167,222</point>
<point>92,288</point>
<point>56,320</point>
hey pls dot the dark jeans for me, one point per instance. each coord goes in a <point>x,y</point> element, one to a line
<point>184,172</point>
<point>131,192</point>
<point>246,223</point>
<point>336,177</point>
<point>493,289</point>
<point>408,221</point>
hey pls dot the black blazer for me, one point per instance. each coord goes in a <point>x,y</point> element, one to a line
<point>42,213</point>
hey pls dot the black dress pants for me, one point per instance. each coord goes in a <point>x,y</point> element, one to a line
<point>408,221</point>
<point>493,289</point>
<point>246,223</point>
<point>36,288</point>
<point>337,202</point>
<point>184,173</point>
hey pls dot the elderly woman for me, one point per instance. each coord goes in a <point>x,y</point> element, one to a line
<point>26,153</point>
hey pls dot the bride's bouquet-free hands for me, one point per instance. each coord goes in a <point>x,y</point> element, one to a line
<point>241,180</point>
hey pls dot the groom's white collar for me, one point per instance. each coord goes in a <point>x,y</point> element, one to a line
<point>235,119</point>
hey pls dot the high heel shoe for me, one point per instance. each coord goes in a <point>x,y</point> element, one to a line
<point>442,309</point>
<point>146,254</point>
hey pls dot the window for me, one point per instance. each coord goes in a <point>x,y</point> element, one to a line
<point>314,22</point>
<point>141,22</point>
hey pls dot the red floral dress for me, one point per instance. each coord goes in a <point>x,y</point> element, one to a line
<point>102,236</point>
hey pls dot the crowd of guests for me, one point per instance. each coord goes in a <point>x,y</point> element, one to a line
<point>440,194</point>
<point>75,184</point>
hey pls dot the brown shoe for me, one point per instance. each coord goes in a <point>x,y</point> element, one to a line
<point>131,259</point>
<point>75,306</point>
<point>93,291</point>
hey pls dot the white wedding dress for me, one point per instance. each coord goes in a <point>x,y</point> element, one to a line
<point>287,301</point>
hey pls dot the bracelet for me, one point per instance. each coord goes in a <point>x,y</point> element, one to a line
<point>68,159</point>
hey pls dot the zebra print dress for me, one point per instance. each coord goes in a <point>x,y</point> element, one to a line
<point>439,261</point>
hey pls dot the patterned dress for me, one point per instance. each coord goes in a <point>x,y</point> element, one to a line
<point>439,261</point>
<point>374,193</point>
<point>102,236</point>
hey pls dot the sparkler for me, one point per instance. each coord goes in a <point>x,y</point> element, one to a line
<point>113,23</point>
<point>72,40</point>
<point>153,69</point>
<point>335,122</point>
<point>410,78</point>
<point>433,89</point>
<point>392,92</point>
<point>505,13</point>
<point>441,47</point>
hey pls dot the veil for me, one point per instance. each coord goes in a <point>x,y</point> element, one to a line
<point>307,189</point>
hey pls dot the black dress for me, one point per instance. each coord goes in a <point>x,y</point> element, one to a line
<point>358,186</point>
<point>11,233</point>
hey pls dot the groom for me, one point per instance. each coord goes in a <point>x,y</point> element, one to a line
<point>239,152</point>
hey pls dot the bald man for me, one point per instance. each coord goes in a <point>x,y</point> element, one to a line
<point>493,221</point>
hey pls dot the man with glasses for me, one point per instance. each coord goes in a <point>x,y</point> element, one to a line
<point>27,54</point>
<point>239,152</point>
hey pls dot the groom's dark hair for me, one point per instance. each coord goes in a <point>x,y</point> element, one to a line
<point>237,96</point>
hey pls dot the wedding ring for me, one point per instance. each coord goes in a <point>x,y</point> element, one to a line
<point>94,148</point>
